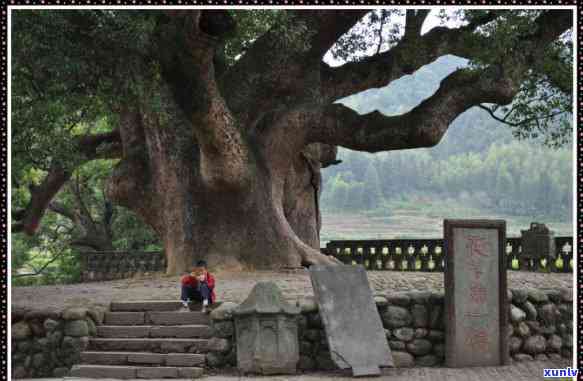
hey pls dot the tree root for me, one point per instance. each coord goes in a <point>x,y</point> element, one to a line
<point>310,257</point>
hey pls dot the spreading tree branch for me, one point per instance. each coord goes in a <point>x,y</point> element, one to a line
<point>424,125</point>
<point>57,176</point>
<point>414,20</point>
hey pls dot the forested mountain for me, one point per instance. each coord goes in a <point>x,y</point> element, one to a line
<point>478,161</point>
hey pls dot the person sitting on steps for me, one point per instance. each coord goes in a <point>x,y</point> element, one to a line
<point>199,285</point>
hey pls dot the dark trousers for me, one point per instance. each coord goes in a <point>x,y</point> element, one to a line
<point>199,293</point>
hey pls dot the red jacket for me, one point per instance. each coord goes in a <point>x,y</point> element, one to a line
<point>188,280</point>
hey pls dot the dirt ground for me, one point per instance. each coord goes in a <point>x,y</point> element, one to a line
<point>235,287</point>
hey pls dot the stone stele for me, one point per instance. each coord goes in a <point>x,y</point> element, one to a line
<point>267,332</point>
<point>353,326</point>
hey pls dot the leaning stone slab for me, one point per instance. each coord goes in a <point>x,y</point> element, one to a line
<point>351,319</point>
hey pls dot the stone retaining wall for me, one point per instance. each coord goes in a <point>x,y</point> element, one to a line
<point>541,326</point>
<point>47,343</point>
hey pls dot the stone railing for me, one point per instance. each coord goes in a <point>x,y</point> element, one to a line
<point>110,265</point>
<point>540,327</point>
<point>429,255</point>
<point>394,255</point>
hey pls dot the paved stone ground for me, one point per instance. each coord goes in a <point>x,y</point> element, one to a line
<point>236,286</point>
<point>525,371</point>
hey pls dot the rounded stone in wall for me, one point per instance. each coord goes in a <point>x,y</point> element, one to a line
<point>91,327</point>
<point>214,360</point>
<point>541,357</point>
<point>404,333</point>
<point>38,360</point>
<point>439,350</point>
<point>23,346</point>
<point>435,317</point>
<point>37,328</point>
<point>397,345</point>
<point>60,372</point>
<point>427,360</point>
<point>50,325</point>
<point>396,317</point>
<point>567,295</point>
<point>21,331</point>
<point>403,359</point>
<point>223,328</point>
<point>436,298</point>
<point>534,326</point>
<point>530,310</point>
<point>554,356</point>
<point>75,313</point>
<point>516,314</point>
<point>381,301</point>
<point>76,328</point>
<point>548,330</point>
<point>419,347</point>
<point>519,296</point>
<point>554,296</point>
<point>19,372</point>
<point>537,296</point>
<point>420,297</point>
<point>421,333</point>
<point>566,312</point>
<point>554,343</point>
<point>514,344</point>
<point>522,329</point>
<point>549,313</point>
<point>535,344</point>
<point>217,344</point>
<point>419,315</point>
<point>399,299</point>
<point>522,357</point>
<point>436,335</point>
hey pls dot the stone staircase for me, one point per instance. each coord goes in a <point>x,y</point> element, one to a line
<point>149,339</point>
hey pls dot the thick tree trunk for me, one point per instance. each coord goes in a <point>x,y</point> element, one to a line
<point>271,222</point>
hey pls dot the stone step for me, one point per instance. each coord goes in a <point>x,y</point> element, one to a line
<point>142,358</point>
<point>145,305</point>
<point>156,318</point>
<point>179,331</point>
<point>133,372</point>
<point>158,345</point>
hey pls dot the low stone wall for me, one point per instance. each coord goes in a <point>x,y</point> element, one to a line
<point>47,343</point>
<point>541,326</point>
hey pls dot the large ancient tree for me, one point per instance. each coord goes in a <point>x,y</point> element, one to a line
<point>222,120</point>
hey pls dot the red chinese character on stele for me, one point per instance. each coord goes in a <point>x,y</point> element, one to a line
<point>477,246</point>
<point>477,339</point>
<point>478,293</point>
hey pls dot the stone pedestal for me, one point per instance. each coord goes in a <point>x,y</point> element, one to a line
<point>267,332</point>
